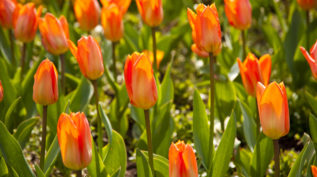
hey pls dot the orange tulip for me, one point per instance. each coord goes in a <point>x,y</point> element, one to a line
<point>89,57</point>
<point>182,160</point>
<point>111,20</point>
<point>1,92</point>
<point>311,59</point>
<point>253,71</point>
<point>151,11</point>
<point>87,13</point>
<point>139,81</point>
<point>54,34</point>
<point>199,51</point>
<point>205,26</point>
<point>159,56</point>
<point>25,21</point>
<point>273,109</point>
<point>314,170</point>
<point>7,8</point>
<point>74,140</point>
<point>307,4</point>
<point>45,88</point>
<point>239,13</point>
<point>122,4</point>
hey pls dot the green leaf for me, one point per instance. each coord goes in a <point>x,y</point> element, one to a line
<point>3,167</point>
<point>106,122</point>
<point>142,165</point>
<point>243,159</point>
<point>12,153</point>
<point>39,172</point>
<point>8,118</point>
<point>201,129</point>
<point>51,156</point>
<point>167,88</point>
<point>266,155</point>
<point>225,149</point>
<point>92,167</point>
<point>24,130</point>
<point>82,95</point>
<point>312,127</point>
<point>160,163</point>
<point>312,101</point>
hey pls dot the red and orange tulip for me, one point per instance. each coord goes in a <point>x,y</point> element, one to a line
<point>273,109</point>
<point>199,51</point>
<point>74,140</point>
<point>307,4</point>
<point>122,4</point>
<point>87,13</point>
<point>139,80</point>
<point>311,58</point>
<point>239,13</point>
<point>7,8</point>
<point>25,21</point>
<point>159,56</point>
<point>182,160</point>
<point>112,22</point>
<point>206,30</point>
<point>54,34</point>
<point>151,11</point>
<point>1,92</point>
<point>45,88</point>
<point>253,71</point>
<point>89,57</point>
<point>314,170</point>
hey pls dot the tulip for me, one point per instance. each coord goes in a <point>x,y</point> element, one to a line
<point>111,20</point>
<point>311,58</point>
<point>87,13</point>
<point>89,57</point>
<point>74,140</point>
<point>199,51</point>
<point>151,11</point>
<point>140,82</point>
<point>1,92</point>
<point>182,160</point>
<point>54,34</point>
<point>239,13</point>
<point>253,71</point>
<point>273,109</point>
<point>45,88</point>
<point>122,4</point>
<point>314,170</point>
<point>7,8</point>
<point>149,55</point>
<point>25,21</point>
<point>205,27</point>
<point>307,4</point>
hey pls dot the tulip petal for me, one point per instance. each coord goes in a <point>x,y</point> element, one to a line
<point>265,68</point>
<point>311,61</point>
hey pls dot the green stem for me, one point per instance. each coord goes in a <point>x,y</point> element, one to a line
<point>62,56</point>
<point>43,137</point>
<point>12,41</point>
<point>99,128</point>
<point>154,49</point>
<point>78,173</point>
<point>258,130</point>
<point>244,45</point>
<point>97,161</point>
<point>307,32</point>
<point>212,116</point>
<point>23,59</point>
<point>276,158</point>
<point>114,61</point>
<point>149,139</point>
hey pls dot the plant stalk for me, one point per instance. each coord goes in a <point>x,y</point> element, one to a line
<point>62,56</point>
<point>78,173</point>
<point>149,139</point>
<point>154,49</point>
<point>43,137</point>
<point>307,32</point>
<point>12,48</point>
<point>244,45</point>
<point>258,130</point>
<point>276,159</point>
<point>114,61</point>
<point>99,128</point>
<point>23,55</point>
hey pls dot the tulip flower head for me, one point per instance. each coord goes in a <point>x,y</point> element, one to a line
<point>151,11</point>
<point>139,80</point>
<point>253,71</point>
<point>206,32</point>
<point>89,57</point>
<point>199,51</point>
<point>122,4</point>
<point>314,170</point>
<point>307,4</point>
<point>54,34</point>
<point>239,13</point>
<point>74,140</point>
<point>7,8</point>
<point>25,21</point>
<point>311,58</point>
<point>273,109</point>
<point>45,88</point>
<point>182,160</point>
<point>1,92</point>
<point>159,56</point>
<point>112,22</point>
<point>87,13</point>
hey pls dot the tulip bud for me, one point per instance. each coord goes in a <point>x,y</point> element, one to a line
<point>74,140</point>
<point>159,56</point>
<point>273,109</point>
<point>139,81</point>
<point>45,88</point>
<point>54,34</point>
<point>314,170</point>
<point>206,31</point>
<point>307,4</point>
<point>111,20</point>
<point>87,13</point>
<point>89,57</point>
<point>253,71</point>
<point>122,4</point>
<point>239,13</point>
<point>151,11</point>
<point>7,8</point>
<point>182,160</point>
<point>25,21</point>
<point>311,59</point>
<point>1,92</point>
